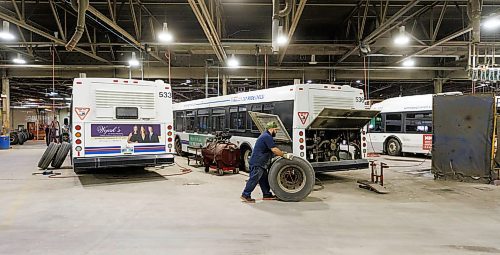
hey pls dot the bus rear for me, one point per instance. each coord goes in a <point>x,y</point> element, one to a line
<point>119,123</point>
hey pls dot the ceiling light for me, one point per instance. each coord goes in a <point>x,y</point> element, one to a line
<point>282,39</point>
<point>233,62</point>
<point>165,35</point>
<point>358,81</point>
<point>188,81</point>
<point>19,61</point>
<point>409,62</point>
<point>133,61</point>
<point>5,33</point>
<point>492,22</point>
<point>309,81</point>
<point>313,60</point>
<point>401,38</point>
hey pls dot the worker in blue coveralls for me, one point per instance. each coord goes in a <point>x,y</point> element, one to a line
<point>260,161</point>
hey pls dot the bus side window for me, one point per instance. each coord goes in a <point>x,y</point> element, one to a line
<point>190,120</point>
<point>179,121</point>
<point>375,125</point>
<point>393,122</point>
<point>268,108</point>
<point>237,117</point>
<point>218,119</point>
<point>420,122</point>
<point>203,124</point>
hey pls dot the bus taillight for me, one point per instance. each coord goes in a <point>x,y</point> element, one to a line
<point>78,134</point>
<point>78,141</point>
<point>170,139</point>
<point>301,133</point>
<point>78,127</point>
<point>169,127</point>
<point>169,133</point>
<point>78,148</point>
<point>301,140</point>
<point>364,144</point>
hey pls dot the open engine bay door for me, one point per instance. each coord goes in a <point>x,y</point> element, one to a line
<point>342,119</point>
<point>261,120</point>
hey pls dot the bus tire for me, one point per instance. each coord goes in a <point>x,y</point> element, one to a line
<point>49,148</point>
<point>21,139</point>
<point>178,147</point>
<point>51,153</point>
<point>393,147</point>
<point>245,154</point>
<point>291,180</point>
<point>13,138</point>
<point>61,155</point>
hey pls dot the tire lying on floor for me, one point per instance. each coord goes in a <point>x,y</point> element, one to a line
<point>48,155</point>
<point>13,138</point>
<point>61,155</point>
<point>291,180</point>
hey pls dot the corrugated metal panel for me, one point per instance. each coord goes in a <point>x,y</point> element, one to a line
<point>321,102</point>
<point>110,98</point>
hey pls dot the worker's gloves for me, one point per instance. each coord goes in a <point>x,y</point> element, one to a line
<point>288,156</point>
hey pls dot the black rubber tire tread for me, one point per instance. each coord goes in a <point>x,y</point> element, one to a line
<point>13,138</point>
<point>20,137</point>
<point>61,155</point>
<point>398,144</point>
<point>283,195</point>
<point>178,147</point>
<point>49,148</point>
<point>50,156</point>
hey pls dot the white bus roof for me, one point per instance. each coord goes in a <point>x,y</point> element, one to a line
<point>408,103</point>
<point>257,96</point>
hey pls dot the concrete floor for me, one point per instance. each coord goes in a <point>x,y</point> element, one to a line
<point>146,213</point>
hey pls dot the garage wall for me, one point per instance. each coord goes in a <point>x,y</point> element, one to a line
<point>22,116</point>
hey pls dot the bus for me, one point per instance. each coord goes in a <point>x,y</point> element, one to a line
<point>121,122</point>
<point>317,122</point>
<point>404,125</point>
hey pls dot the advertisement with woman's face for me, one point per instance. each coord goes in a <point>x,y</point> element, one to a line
<point>132,133</point>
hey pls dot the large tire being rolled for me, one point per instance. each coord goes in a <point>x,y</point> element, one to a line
<point>61,155</point>
<point>47,158</point>
<point>291,180</point>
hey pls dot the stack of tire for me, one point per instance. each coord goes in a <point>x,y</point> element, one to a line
<point>20,137</point>
<point>54,155</point>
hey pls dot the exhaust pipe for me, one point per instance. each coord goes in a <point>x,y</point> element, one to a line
<point>277,14</point>
<point>81,7</point>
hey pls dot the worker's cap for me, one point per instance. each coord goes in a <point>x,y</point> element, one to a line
<point>271,124</point>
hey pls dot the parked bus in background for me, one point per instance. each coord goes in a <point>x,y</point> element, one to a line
<point>404,125</point>
<point>121,122</point>
<point>318,122</point>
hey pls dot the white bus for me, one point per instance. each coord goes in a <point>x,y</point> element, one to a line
<point>404,125</point>
<point>320,123</point>
<point>121,122</point>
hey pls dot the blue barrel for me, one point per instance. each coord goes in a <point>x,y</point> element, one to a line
<point>4,142</point>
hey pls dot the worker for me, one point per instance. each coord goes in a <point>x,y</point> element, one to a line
<point>260,161</point>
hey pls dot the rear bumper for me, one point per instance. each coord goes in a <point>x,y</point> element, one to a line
<point>123,161</point>
<point>342,165</point>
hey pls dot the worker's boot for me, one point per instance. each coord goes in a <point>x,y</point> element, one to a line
<point>247,199</point>
<point>269,197</point>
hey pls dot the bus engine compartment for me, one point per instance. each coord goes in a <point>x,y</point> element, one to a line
<point>333,145</point>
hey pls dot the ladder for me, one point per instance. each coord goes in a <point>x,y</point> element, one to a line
<point>212,78</point>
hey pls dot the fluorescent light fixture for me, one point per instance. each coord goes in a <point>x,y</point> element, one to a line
<point>133,61</point>
<point>492,22</point>
<point>165,35</point>
<point>409,62</point>
<point>57,98</point>
<point>67,98</point>
<point>401,38</point>
<point>5,33</point>
<point>313,60</point>
<point>358,81</point>
<point>282,39</point>
<point>19,61</point>
<point>52,93</point>
<point>233,62</point>
<point>188,81</point>
<point>309,81</point>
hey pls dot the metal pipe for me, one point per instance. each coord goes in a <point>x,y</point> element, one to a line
<point>80,23</point>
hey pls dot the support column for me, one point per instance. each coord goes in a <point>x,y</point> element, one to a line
<point>5,105</point>
<point>438,85</point>
<point>474,9</point>
<point>224,84</point>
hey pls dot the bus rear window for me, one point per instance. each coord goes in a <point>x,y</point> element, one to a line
<point>127,113</point>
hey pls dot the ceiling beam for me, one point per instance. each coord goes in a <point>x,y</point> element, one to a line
<point>58,41</point>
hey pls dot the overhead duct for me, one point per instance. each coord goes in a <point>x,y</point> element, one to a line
<point>81,7</point>
<point>277,14</point>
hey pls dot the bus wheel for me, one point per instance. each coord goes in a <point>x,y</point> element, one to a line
<point>178,147</point>
<point>393,147</point>
<point>291,180</point>
<point>245,159</point>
